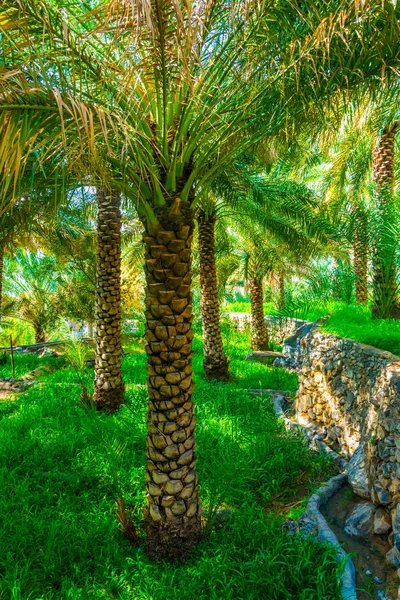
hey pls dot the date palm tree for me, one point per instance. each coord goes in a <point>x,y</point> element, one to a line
<point>33,292</point>
<point>109,388</point>
<point>216,364</point>
<point>385,285</point>
<point>282,230</point>
<point>360,185</point>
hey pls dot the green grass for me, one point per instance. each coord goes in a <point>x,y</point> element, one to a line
<point>243,306</point>
<point>25,363</point>
<point>356,323</point>
<point>308,311</point>
<point>62,468</point>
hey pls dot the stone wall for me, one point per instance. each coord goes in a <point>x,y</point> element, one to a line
<point>278,328</point>
<point>352,392</point>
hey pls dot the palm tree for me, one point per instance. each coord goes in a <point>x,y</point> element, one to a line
<point>216,364</point>
<point>109,387</point>
<point>357,159</point>
<point>385,285</point>
<point>282,230</point>
<point>33,292</point>
<point>361,253</point>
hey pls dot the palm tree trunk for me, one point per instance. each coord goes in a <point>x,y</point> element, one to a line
<point>259,330</point>
<point>385,287</point>
<point>40,334</point>
<point>282,291</point>
<point>172,518</point>
<point>215,362</point>
<point>108,385</point>
<point>361,254</point>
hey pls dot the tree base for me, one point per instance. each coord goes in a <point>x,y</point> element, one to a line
<point>109,400</point>
<point>171,541</point>
<point>216,369</point>
<point>262,347</point>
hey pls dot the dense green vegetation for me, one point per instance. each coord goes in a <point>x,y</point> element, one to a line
<point>63,468</point>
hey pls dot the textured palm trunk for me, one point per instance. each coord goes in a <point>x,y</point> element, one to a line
<point>108,385</point>
<point>385,287</point>
<point>259,330</point>
<point>215,362</point>
<point>361,254</point>
<point>282,291</point>
<point>40,334</point>
<point>173,514</point>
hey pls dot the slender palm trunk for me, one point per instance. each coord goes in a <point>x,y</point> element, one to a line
<point>40,334</point>
<point>385,286</point>
<point>259,330</point>
<point>1,275</point>
<point>172,518</point>
<point>215,362</point>
<point>108,385</point>
<point>282,291</point>
<point>361,254</point>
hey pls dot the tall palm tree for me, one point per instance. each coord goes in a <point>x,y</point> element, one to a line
<point>386,287</point>
<point>109,387</point>
<point>361,253</point>
<point>282,230</point>
<point>216,364</point>
<point>358,160</point>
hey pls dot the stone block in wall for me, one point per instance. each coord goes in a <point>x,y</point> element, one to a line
<point>357,474</point>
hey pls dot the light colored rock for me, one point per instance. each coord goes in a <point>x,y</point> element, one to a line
<point>382,522</point>
<point>393,557</point>
<point>357,474</point>
<point>263,357</point>
<point>361,521</point>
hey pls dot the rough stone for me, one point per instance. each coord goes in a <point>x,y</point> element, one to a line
<point>263,357</point>
<point>357,474</point>
<point>361,521</point>
<point>393,557</point>
<point>382,522</point>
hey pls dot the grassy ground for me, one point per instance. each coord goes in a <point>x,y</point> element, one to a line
<point>356,323</point>
<point>62,469</point>
<point>25,363</point>
<point>308,312</point>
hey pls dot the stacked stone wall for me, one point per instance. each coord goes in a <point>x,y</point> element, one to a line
<point>353,392</point>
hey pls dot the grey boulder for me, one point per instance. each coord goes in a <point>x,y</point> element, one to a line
<point>357,474</point>
<point>361,521</point>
